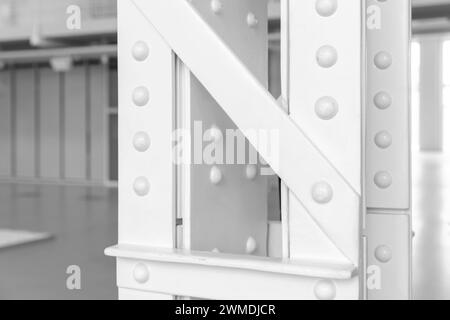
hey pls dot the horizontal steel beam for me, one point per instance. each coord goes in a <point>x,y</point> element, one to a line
<point>38,55</point>
<point>217,276</point>
<point>431,12</point>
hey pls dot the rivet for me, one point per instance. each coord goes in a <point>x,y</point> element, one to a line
<point>140,96</point>
<point>327,56</point>
<point>140,51</point>
<point>382,100</point>
<point>141,186</point>
<point>326,8</point>
<point>215,134</point>
<point>251,171</point>
<point>216,6</point>
<point>141,273</point>
<point>252,21</point>
<point>250,246</point>
<point>383,254</point>
<point>383,60</point>
<point>383,180</point>
<point>325,290</point>
<point>322,192</point>
<point>215,175</point>
<point>383,139</point>
<point>326,108</point>
<point>215,250</point>
<point>141,141</point>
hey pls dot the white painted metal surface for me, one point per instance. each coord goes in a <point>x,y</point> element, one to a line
<point>167,81</point>
<point>216,205</point>
<point>388,159</point>
<point>146,102</point>
<point>388,106</point>
<point>325,95</point>
<point>249,99</point>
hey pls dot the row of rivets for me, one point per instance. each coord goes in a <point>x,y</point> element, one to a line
<point>326,108</point>
<point>217,8</point>
<point>382,100</point>
<point>383,140</point>
<point>250,246</point>
<point>215,134</point>
<point>141,140</point>
<point>216,176</point>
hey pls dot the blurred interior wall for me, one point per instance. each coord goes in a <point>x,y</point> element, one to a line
<point>58,126</point>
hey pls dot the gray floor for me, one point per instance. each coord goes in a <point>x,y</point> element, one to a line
<point>84,222</point>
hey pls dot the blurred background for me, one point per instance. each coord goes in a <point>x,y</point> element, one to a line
<point>58,146</point>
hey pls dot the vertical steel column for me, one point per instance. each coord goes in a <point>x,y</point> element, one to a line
<point>146,122</point>
<point>388,223</point>
<point>324,95</point>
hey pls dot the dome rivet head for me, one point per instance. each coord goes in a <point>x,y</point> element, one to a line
<point>382,100</point>
<point>251,171</point>
<point>141,141</point>
<point>216,6</point>
<point>383,60</point>
<point>141,186</point>
<point>327,56</point>
<point>141,273</point>
<point>383,180</point>
<point>383,139</point>
<point>326,108</point>
<point>326,8</point>
<point>322,192</point>
<point>252,21</point>
<point>140,51</point>
<point>215,175</point>
<point>140,96</point>
<point>250,246</point>
<point>325,290</point>
<point>383,254</point>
